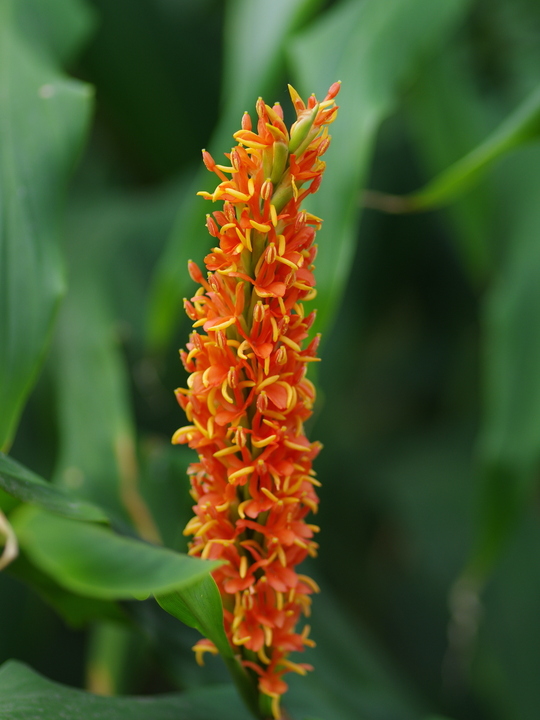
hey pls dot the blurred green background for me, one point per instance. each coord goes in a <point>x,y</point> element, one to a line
<point>429,389</point>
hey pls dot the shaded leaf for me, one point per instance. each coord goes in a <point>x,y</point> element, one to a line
<point>25,695</point>
<point>42,125</point>
<point>28,487</point>
<point>373,48</point>
<point>510,443</point>
<point>93,561</point>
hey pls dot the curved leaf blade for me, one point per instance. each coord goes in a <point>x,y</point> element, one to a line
<point>200,607</point>
<point>23,484</point>
<point>44,118</point>
<point>521,126</point>
<point>25,695</point>
<point>93,561</point>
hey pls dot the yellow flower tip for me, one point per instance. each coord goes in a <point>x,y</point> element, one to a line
<point>202,647</point>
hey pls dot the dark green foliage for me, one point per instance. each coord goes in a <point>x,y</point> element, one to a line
<point>429,389</point>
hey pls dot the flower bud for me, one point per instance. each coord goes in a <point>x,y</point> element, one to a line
<point>301,128</point>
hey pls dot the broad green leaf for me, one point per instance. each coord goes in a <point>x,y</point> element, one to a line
<point>374,48</point>
<point>60,27</point>
<point>42,125</point>
<point>256,41</point>
<point>25,695</point>
<point>93,561</point>
<point>522,126</point>
<point>28,487</point>
<point>200,607</point>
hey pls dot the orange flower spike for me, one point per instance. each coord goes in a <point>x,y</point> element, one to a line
<point>248,396</point>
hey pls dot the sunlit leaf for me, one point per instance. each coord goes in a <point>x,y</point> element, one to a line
<point>43,121</point>
<point>92,560</point>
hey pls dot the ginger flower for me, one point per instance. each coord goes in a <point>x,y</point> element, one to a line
<point>248,395</point>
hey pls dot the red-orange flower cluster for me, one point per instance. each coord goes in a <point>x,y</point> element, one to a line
<point>248,396</point>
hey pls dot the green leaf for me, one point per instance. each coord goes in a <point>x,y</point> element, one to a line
<point>60,27</point>
<point>522,126</point>
<point>256,42</point>
<point>373,48</point>
<point>28,487</point>
<point>25,695</point>
<point>447,116</point>
<point>93,561</point>
<point>42,125</point>
<point>509,446</point>
<point>200,607</point>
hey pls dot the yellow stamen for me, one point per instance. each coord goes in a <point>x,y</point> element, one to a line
<point>263,443</point>
<point>224,325</point>
<point>268,381</point>
<point>290,343</point>
<point>240,473</point>
<point>206,550</point>
<point>282,245</point>
<point>261,227</point>
<point>227,226</point>
<point>200,650</point>
<point>273,215</point>
<point>182,431</point>
<point>275,415</point>
<point>243,566</point>
<point>224,392</point>
<point>206,527</point>
<point>231,191</point>
<point>289,263</point>
<point>199,427</point>
<point>270,495</point>
<point>295,446</point>
<point>241,508</point>
<point>310,582</point>
<point>227,451</point>
<point>263,657</point>
<point>267,636</point>
<point>293,666</point>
